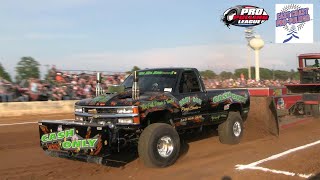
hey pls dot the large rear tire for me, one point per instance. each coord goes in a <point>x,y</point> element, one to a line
<point>231,131</point>
<point>159,145</point>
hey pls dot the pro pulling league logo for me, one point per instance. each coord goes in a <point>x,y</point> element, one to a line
<point>244,16</point>
<point>294,23</point>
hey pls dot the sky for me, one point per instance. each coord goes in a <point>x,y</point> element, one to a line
<point>105,35</point>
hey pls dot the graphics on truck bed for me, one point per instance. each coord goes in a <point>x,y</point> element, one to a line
<point>151,109</point>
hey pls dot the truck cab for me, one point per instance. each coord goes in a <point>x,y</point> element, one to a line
<point>309,68</point>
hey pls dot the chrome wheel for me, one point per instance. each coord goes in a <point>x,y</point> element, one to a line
<point>165,146</point>
<point>236,129</point>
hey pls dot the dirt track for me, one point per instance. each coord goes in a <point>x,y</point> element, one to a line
<point>22,158</point>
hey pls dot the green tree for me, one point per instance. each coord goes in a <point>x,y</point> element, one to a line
<point>208,74</point>
<point>225,75</point>
<point>281,74</point>
<point>27,68</point>
<point>294,74</point>
<point>4,74</point>
<point>265,73</point>
<point>135,68</point>
<point>244,71</point>
<point>284,75</point>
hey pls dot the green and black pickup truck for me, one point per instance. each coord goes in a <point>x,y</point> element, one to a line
<point>151,109</point>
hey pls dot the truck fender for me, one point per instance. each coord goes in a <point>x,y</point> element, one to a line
<point>235,107</point>
<point>160,116</point>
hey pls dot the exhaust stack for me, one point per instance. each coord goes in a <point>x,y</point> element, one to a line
<point>135,86</point>
<point>99,89</point>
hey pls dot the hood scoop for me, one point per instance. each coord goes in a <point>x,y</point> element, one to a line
<point>115,89</point>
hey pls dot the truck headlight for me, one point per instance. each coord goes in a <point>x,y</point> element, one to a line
<point>133,120</point>
<point>125,120</point>
<point>128,110</point>
<point>78,109</point>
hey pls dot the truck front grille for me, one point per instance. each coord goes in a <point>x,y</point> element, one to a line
<point>96,110</point>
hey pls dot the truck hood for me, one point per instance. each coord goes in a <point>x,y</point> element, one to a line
<point>125,99</point>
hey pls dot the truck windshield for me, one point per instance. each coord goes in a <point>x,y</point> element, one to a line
<point>154,80</point>
<point>312,62</point>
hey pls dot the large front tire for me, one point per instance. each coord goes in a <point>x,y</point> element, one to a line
<point>231,131</point>
<point>159,145</point>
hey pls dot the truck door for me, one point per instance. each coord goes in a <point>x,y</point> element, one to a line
<point>192,99</point>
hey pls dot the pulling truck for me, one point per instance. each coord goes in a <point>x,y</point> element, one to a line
<point>151,109</point>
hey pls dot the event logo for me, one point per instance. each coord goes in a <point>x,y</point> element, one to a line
<point>294,23</point>
<point>244,16</point>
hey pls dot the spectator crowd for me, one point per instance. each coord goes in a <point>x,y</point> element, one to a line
<point>57,86</point>
<point>250,83</point>
<point>74,86</point>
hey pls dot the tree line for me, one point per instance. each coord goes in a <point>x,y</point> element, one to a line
<point>265,73</point>
<point>28,67</point>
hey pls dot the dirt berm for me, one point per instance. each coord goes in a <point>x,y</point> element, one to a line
<point>262,119</point>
